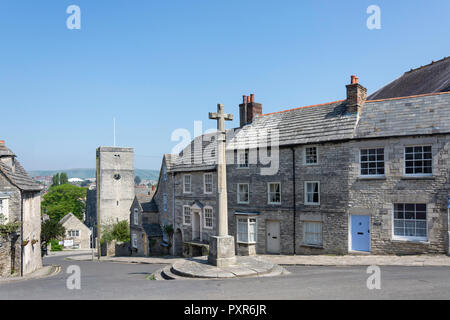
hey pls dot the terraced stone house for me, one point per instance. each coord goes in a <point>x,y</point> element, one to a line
<point>20,202</point>
<point>354,175</point>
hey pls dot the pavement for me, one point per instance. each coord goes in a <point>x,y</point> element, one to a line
<point>304,260</point>
<point>44,272</point>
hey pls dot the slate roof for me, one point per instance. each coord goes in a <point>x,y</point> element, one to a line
<point>5,152</point>
<point>198,155</point>
<point>147,202</point>
<point>152,229</point>
<point>434,77</point>
<point>416,115</point>
<point>311,124</point>
<point>19,177</point>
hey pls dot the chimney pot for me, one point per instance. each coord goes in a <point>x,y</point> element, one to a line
<point>249,110</point>
<point>353,79</point>
<point>244,99</point>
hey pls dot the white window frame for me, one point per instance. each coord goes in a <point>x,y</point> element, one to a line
<point>417,174</point>
<point>238,199</point>
<point>268,193</point>
<point>184,215</point>
<point>184,183</point>
<point>306,194</point>
<point>204,183</point>
<point>165,202</point>
<point>136,216</point>
<point>384,163</point>
<point>305,223</point>
<point>246,154</point>
<point>317,156</point>
<point>5,209</point>
<point>204,217</point>
<point>410,238</point>
<point>134,240</point>
<point>255,223</point>
<point>74,233</point>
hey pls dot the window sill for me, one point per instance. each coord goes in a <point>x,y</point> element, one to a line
<point>371,178</point>
<point>312,204</point>
<point>417,178</point>
<point>247,243</point>
<point>315,246</point>
<point>424,241</point>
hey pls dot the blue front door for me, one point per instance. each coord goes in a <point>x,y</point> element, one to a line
<point>360,230</point>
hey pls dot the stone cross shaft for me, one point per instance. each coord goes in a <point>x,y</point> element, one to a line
<point>222,206</point>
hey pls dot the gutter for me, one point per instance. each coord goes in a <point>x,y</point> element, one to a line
<point>293,198</point>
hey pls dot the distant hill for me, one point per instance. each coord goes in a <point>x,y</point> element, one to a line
<point>144,174</point>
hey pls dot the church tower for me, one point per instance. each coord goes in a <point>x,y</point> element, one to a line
<point>115,184</point>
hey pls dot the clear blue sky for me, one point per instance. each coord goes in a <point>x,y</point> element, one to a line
<point>160,65</point>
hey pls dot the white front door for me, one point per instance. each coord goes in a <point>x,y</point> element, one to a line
<point>196,226</point>
<point>273,236</point>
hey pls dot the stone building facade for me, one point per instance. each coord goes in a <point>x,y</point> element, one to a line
<point>354,175</point>
<point>78,235</point>
<point>145,227</point>
<point>20,202</point>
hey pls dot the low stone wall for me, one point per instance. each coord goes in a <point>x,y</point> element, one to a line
<point>10,255</point>
<point>114,248</point>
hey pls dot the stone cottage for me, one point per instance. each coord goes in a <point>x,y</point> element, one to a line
<point>353,175</point>
<point>145,228</point>
<point>20,203</point>
<point>78,235</point>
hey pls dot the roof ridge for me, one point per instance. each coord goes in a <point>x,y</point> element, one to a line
<point>427,65</point>
<point>310,106</point>
<point>413,96</point>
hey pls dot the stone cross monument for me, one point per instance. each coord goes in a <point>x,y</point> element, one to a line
<point>221,247</point>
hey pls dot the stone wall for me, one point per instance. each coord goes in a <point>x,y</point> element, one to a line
<point>342,193</point>
<point>187,199</point>
<point>10,247</point>
<point>32,258</point>
<point>376,197</point>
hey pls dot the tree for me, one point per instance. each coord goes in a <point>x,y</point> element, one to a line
<point>63,179</point>
<point>55,180</point>
<point>61,200</point>
<point>119,231</point>
<point>137,180</point>
<point>51,230</point>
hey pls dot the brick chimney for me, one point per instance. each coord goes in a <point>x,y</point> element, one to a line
<point>356,95</point>
<point>249,109</point>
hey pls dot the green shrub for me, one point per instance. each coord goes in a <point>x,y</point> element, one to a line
<point>119,231</point>
<point>55,246</point>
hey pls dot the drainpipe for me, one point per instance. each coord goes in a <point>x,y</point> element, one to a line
<point>21,233</point>
<point>293,196</point>
<point>173,211</point>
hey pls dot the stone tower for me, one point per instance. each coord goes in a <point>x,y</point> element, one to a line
<point>115,184</point>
